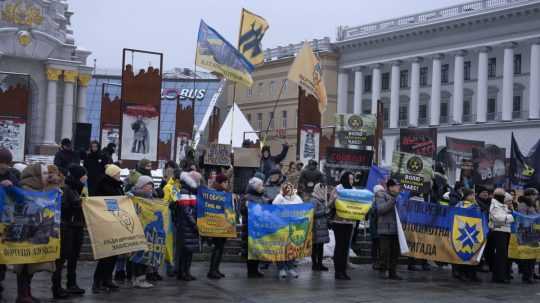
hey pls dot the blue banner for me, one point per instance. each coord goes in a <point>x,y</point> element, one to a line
<point>279,232</point>
<point>376,176</point>
<point>215,214</point>
<point>441,233</point>
<point>525,238</point>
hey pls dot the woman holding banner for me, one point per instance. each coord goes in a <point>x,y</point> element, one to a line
<point>527,206</point>
<point>221,183</point>
<point>343,229</point>
<point>320,226</point>
<point>466,272</point>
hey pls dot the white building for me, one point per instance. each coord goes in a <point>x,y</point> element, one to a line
<point>36,39</point>
<point>471,70</point>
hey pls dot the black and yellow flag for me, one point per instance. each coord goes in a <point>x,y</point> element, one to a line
<point>252,30</point>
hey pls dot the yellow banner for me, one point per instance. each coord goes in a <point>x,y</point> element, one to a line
<point>252,30</point>
<point>522,252</point>
<point>113,226</point>
<point>352,210</point>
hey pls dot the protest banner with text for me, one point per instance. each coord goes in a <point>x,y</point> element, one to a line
<point>215,214</point>
<point>413,172</point>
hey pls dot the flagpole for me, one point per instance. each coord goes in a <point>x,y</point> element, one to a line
<point>273,111</point>
<point>232,114</point>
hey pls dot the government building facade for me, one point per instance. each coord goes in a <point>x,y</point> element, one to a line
<point>471,70</point>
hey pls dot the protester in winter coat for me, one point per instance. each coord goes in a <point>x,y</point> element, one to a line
<point>319,198</point>
<point>527,206</point>
<point>36,177</point>
<point>171,193</point>
<point>273,183</point>
<point>108,153</point>
<point>287,196</point>
<point>94,161</point>
<point>269,162</point>
<point>254,194</point>
<point>343,229</point>
<point>221,183</point>
<point>144,188</point>
<point>143,168</point>
<point>310,176</point>
<point>66,156</point>
<point>185,221</point>
<point>109,185</point>
<point>500,219</point>
<point>372,215</point>
<point>71,232</point>
<point>385,203</point>
<point>168,174</point>
<point>292,174</point>
<point>466,272</point>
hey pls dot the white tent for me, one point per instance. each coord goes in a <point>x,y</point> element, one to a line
<point>236,126</point>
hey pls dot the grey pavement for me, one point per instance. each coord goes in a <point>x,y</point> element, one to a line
<point>366,286</point>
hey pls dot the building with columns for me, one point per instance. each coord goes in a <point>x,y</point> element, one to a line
<point>37,42</point>
<point>471,70</point>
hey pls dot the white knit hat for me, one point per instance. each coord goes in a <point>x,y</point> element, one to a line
<point>142,181</point>
<point>377,188</point>
<point>255,182</point>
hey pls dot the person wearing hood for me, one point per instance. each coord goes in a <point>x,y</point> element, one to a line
<point>273,183</point>
<point>185,222</point>
<point>143,168</point>
<point>287,196</point>
<point>36,177</point>
<point>94,161</point>
<point>71,232</point>
<point>385,202</point>
<point>109,185</point>
<point>108,153</point>
<point>310,176</point>
<point>269,162</point>
<point>220,184</point>
<point>440,183</point>
<point>254,194</point>
<point>319,198</point>
<point>189,163</point>
<point>143,188</point>
<point>66,156</point>
<point>500,219</point>
<point>527,206</point>
<point>343,229</point>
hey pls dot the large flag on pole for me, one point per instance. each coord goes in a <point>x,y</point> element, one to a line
<point>252,30</point>
<point>306,71</point>
<point>521,173</point>
<point>216,54</point>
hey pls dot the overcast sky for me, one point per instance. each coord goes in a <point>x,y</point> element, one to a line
<point>170,26</point>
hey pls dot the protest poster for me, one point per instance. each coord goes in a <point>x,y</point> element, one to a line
<point>247,157</point>
<point>12,136</point>
<point>377,176</point>
<point>215,214</point>
<point>183,144</point>
<point>29,226</point>
<point>110,134</point>
<point>458,150</point>
<point>355,130</point>
<point>525,237</point>
<point>155,218</point>
<point>489,165</point>
<point>218,154</point>
<point>279,232</point>
<point>440,233</point>
<point>113,226</point>
<point>418,141</point>
<point>413,172</point>
<point>140,125</point>
<point>309,143</point>
<point>339,160</point>
<point>353,204</point>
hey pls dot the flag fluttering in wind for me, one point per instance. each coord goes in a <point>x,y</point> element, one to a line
<point>252,30</point>
<point>306,71</point>
<point>217,55</point>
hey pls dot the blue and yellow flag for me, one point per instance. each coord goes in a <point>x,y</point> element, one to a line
<point>29,226</point>
<point>279,232</point>
<point>353,204</point>
<point>216,54</point>
<point>525,237</point>
<point>441,233</point>
<point>252,30</point>
<point>215,214</point>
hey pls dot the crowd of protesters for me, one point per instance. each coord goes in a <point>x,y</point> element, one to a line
<point>93,173</point>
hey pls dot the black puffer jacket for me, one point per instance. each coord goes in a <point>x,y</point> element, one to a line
<point>72,214</point>
<point>320,222</point>
<point>65,158</point>
<point>94,162</point>
<point>270,162</point>
<point>108,186</point>
<point>310,176</point>
<point>185,214</point>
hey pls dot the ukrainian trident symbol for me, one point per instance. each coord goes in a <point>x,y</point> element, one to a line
<point>251,40</point>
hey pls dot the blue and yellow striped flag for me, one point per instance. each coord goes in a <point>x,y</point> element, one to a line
<point>252,30</point>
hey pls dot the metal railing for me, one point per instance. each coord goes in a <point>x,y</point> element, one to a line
<point>280,52</point>
<point>448,13</point>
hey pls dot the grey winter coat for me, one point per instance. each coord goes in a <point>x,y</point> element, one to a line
<point>320,222</point>
<point>386,215</point>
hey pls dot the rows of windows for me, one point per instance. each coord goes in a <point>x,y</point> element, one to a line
<point>260,89</point>
<point>271,119</point>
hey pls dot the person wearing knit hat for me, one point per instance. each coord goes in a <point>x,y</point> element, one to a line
<point>143,168</point>
<point>113,171</point>
<point>319,198</point>
<point>66,156</point>
<point>500,219</point>
<point>220,184</point>
<point>144,183</point>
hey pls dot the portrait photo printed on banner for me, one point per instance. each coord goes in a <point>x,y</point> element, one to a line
<point>139,132</point>
<point>12,136</point>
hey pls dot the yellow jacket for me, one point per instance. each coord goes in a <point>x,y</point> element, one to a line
<point>168,190</point>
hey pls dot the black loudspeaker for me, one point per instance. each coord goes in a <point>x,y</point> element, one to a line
<point>81,136</point>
